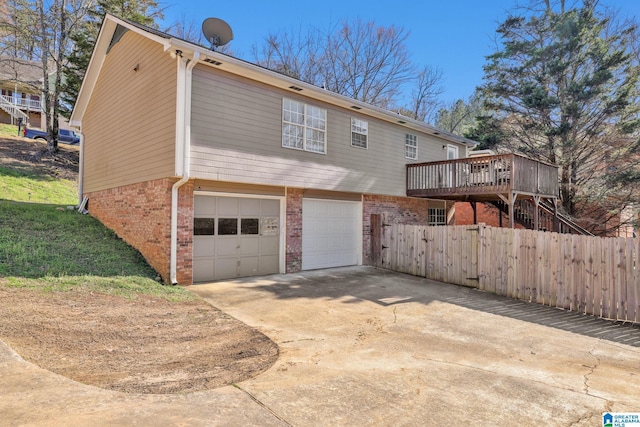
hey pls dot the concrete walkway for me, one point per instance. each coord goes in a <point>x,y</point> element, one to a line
<point>361,346</point>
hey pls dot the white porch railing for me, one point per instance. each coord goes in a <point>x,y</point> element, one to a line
<point>23,103</point>
<point>13,110</point>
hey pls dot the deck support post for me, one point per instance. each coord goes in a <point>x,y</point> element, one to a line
<point>536,213</point>
<point>510,200</point>
<point>475,212</point>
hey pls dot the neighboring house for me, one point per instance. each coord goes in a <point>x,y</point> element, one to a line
<point>21,91</point>
<point>213,167</point>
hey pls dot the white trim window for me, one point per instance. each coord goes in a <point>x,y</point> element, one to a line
<point>359,133</point>
<point>410,146</point>
<point>304,127</point>
<point>437,216</point>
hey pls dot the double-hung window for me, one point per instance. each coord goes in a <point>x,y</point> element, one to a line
<point>359,133</point>
<point>304,127</point>
<point>437,216</point>
<point>410,146</point>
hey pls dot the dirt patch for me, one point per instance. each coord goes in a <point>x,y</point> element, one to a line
<point>20,152</point>
<point>146,345</point>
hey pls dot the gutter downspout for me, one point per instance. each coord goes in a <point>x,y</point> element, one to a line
<point>81,169</point>
<point>183,147</point>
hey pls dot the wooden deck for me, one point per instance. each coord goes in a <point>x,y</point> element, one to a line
<point>483,178</point>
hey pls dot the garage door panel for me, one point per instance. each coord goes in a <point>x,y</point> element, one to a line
<point>228,206</point>
<point>269,245</point>
<point>225,267</point>
<point>203,247</point>
<point>204,206</point>
<point>269,264</point>
<point>226,246</point>
<point>203,269</point>
<point>330,233</point>
<point>249,266</point>
<point>270,207</point>
<point>249,207</point>
<point>249,246</point>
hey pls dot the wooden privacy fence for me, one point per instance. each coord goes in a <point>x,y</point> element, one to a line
<point>585,274</point>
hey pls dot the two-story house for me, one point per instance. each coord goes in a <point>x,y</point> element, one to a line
<point>213,167</point>
<point>20,91</point>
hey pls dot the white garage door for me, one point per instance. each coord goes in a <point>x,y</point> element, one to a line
<point>235,237</point>
<point>331,233</point>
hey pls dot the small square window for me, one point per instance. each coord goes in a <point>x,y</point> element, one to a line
<point>411,146</point>
<point>203,226</point>
<point>249,226</point>
<point>437,216</point>
<point>359,133</point>
<point>227,226</point>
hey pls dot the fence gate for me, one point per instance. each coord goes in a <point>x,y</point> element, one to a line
<point>447,254</point>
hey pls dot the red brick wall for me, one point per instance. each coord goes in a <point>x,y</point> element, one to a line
<point>184,264</point>
<point>294,230</point>
<point>140,214</point>
<point>486,214</point>
<point>402,210</point>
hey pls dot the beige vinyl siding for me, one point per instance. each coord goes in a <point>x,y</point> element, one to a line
<point>129,125</point>
<point>230,187</point>
<point>237,136</point>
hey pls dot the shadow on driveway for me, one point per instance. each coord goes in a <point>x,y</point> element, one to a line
<point>354,284</point>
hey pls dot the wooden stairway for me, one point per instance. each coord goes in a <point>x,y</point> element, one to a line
<point>524,215</point>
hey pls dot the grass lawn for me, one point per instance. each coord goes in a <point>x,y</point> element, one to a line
<point>46,245</point>
<point>27,185</point>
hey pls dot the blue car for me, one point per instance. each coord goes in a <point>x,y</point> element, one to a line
<point>64,135</point>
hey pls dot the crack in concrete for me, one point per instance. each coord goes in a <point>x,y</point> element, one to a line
<point>591,371</point>
<point>259,402</point>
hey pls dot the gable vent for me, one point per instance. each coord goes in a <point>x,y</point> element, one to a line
<point>296,88</point>
<point>213,61</point>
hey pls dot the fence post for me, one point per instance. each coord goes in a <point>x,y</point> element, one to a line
<point>376,241</point>
<point>480,244</point>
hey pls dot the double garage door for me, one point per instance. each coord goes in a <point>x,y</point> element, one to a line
<point>237,236</point>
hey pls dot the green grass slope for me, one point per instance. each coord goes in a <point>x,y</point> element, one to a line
<point>48,246</point>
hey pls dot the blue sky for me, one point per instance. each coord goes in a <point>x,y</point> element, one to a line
<point>452,35</point>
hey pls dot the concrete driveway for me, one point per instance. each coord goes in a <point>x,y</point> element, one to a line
<point>362,346</point>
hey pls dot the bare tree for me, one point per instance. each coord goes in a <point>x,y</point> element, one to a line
<point>191,31</point>
<point>55,20</point>
<point>296,53</point>
<point>357,59</point>
<point>426,88</point>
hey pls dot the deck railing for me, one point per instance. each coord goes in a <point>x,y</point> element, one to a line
<point>482,175</point>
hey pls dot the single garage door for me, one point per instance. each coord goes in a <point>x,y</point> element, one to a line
<point>331,233</point>
<point>235,237</point>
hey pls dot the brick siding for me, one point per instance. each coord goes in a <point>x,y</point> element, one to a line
<point>486,214</point>
<point>403,210</point>
<point>140,214</point>
<point>294,230</point>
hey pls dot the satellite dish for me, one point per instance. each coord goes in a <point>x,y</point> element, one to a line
<point>217,32</point>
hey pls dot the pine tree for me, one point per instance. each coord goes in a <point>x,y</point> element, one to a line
<point>565,86</point>
<point>144,12</point>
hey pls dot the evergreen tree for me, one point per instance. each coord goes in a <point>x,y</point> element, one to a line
<point>144,12</point>
<point>565,86</point>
